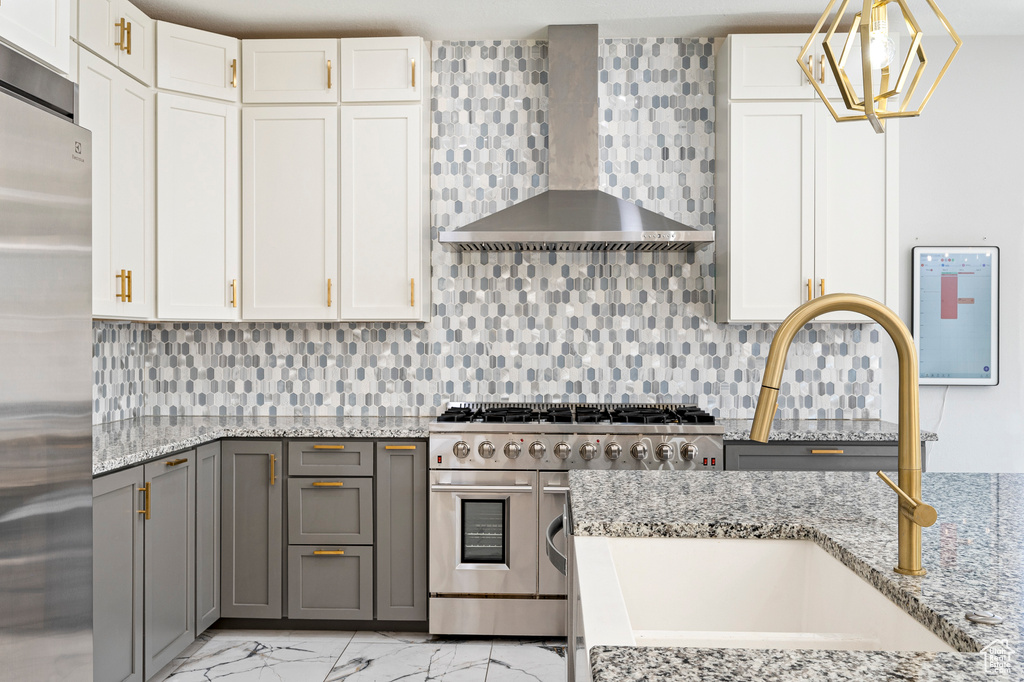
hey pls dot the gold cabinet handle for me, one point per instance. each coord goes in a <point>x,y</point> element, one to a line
<point>119,43</point>
<point>234,293</point>
<point>273,468</point>
<point>328,74</point>
<point>234,73</point>
<point>810,68</point>
<point>329,299</point>
<point>412,292</point>
<point>123,296</point>
<point>129,286</point>
<point>810,290</point>
<point>328,447</point>
<point>176,462</point>
<point>145,507</point>
<point>826,452</point>
<point>821,67</point>
<point>128,48</point>
<point>822,286</point>
<point>413,72</point>
<point>917,511</point>
<point>328,484</point>
<point>399,447</point>
<point>328,552</point>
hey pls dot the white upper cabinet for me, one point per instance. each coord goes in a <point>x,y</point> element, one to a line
<point>40,28</point>
<point>120,33</point>
<point>198,200</point>
<point>764,66</point>
<point>120,113</point>
<point>290,213</point>
<point>382,69</point>
<point>290,71</point>
<point>384,226</point>
<point>197,62</point>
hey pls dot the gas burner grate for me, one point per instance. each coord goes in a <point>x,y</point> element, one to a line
<point>557,415</point>
<point>509,415</point>
<point>644,415</point>
<point>458,415</point>
<point>591,415</point>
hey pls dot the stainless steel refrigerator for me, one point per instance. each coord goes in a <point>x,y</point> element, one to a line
<point>45,378</point>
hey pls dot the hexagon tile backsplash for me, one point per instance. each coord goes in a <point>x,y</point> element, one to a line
<point>622,327</point>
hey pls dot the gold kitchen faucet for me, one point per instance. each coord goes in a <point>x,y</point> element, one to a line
<point>913,513</point>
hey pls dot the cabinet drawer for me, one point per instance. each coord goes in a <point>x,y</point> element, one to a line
<point>330,510</point>
<point>334,582</point>
<point>811,456</point>
<point>330,458</point>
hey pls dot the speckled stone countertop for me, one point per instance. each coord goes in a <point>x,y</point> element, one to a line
<point>846,430</point>
<point>133,441</point>
<point>974,555</point>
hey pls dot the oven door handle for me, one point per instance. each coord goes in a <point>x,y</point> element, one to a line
<point>555,489</point>
<point>556,558</point>
<point>456,488</point>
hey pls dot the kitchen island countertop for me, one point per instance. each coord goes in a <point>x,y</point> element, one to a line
<point>974,556</point>
<point>122,444</point>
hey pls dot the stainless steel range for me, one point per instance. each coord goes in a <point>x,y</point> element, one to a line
<point>499,475</point>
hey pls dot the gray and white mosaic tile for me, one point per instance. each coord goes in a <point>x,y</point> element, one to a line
<point>622,327</point>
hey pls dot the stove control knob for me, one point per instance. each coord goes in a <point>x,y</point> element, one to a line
<point>639,451</point>
<point>537,449</point>
<point>588,451</point>
<point>562,451</point>
<point>461,449</point>
<point>512,449</point>
<point>613,451</point>
<point>689,452</point>
<point>486,449</point>
<point>663,452</point>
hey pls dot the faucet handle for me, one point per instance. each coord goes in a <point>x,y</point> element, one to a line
<point>917,511</point>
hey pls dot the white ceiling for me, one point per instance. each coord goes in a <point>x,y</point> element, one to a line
<point>494,19</point>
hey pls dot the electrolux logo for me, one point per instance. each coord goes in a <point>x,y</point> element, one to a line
<point>77,154</point>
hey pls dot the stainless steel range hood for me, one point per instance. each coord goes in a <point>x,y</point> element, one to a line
<point>573,215</point>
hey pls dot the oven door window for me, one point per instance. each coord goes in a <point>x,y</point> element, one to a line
<point>484,529</point>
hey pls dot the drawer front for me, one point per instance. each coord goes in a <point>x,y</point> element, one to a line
<point>811,456</point>
<point>330,458</point>
<point>330,582</point>
<point>330,511</point>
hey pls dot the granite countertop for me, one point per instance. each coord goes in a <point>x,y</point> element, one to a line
<point>133,441</point>
<point>974,556</point>
<point>846,430</point>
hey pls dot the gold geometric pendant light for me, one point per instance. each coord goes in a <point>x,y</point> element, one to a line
<point>885,76</point>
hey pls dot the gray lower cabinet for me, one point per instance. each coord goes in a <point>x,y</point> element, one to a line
<point>811,456</point>
<point>169,572</point>
<point>207,535</point>
<point>117,576</point>
<point>401,498</point>
<point>331,511</point>
<point>330,458</point>
<point>251,529</point>
<point>330,582</point>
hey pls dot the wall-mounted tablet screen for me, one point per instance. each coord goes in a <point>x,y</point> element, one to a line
<point>956,314</point>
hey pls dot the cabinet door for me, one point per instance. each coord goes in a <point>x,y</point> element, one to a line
<point>170,606</point>
<point>251,555</point>
<point>382,69</point>
<point>117,559</point>
<point>330,511</point>
<point>764,66</point>
<point>199,238</point>
<point>98,27</point>
<point>208,489</point>
<point>401,531</point>
<point>769,241</point>
<point>330,583</point>
<point>40,28</point>
<point>290,213</point>
<point>856,209</point>
<point>290,71</point>
<point>197,62</point>
<point>133,194</point>
<point>138,52</point>
<point>383,221</point>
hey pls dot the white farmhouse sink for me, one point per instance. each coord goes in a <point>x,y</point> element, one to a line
<point>760,594</point>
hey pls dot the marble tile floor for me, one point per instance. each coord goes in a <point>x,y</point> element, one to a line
<point>336,656</point>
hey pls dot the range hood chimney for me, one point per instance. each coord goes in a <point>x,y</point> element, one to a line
<point>574,215</point>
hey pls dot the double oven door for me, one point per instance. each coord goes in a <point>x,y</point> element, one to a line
<point>487,530</point>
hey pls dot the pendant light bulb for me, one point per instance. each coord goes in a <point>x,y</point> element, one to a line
<point>882,49</point>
